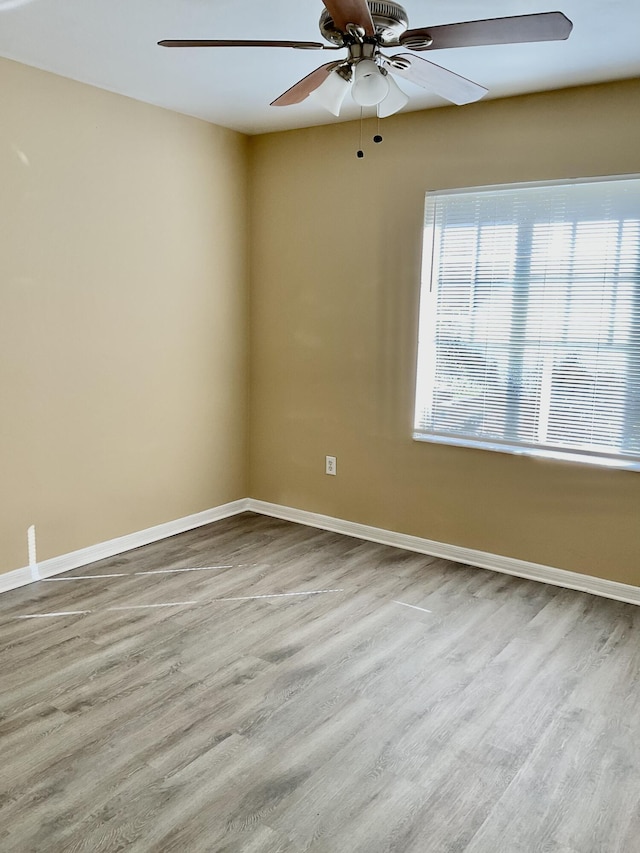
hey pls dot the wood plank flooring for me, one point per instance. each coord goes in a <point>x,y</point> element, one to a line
<point>305,691</point>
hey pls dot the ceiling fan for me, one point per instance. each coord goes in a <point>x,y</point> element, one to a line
<point>366,27</point>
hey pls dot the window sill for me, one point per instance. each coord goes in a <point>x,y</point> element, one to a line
<point>619,462</point>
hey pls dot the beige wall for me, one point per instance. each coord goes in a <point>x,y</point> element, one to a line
<point>123,323</point>
<point>335,278</point>
<point>122,315</point>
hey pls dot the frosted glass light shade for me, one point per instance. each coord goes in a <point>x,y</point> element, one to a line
<point>370,86</point>
<point>332,92</point>
<point>395,100</point>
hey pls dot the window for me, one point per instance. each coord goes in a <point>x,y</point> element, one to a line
<point>530,320</point>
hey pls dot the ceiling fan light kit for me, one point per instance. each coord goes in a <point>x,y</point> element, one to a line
<point>369,86</point>
<point>333,91</point>
<point>365,27</point>
<point>395,100</point>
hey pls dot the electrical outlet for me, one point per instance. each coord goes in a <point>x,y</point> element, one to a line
<point>330,465</point>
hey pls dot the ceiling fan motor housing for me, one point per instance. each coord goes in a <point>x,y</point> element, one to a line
<point>390,21</point>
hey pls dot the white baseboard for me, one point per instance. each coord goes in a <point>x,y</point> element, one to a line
<point>480,559</point>
<point>75,559</point>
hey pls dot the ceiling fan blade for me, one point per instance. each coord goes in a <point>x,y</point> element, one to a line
<point>303,88</point>
<point>440,80</point>
<point>546,26</point>
<point>346,12</point>
<point>300,45</point>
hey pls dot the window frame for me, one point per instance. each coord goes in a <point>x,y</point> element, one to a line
<point>428,318</point>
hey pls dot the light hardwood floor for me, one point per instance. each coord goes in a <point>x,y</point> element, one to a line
<point>410,705</point>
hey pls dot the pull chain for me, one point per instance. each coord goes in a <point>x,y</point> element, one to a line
<point>378,137</point>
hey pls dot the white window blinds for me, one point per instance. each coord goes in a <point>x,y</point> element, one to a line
<point>530,320</point>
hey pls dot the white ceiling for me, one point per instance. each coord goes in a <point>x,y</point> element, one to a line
<point>112,44</point>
